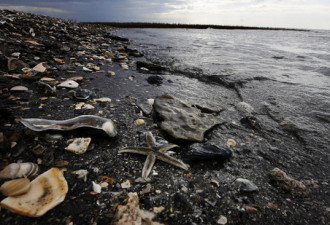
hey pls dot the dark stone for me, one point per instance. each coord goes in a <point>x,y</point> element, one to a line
<point>149,65</point>
<point>158,80</point>
<point>252,122</point>
<point>206,151</point>
<point>181,120</point>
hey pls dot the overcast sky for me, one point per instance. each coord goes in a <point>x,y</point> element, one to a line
<point>311,14</point>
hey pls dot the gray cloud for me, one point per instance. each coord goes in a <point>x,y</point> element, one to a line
<point>279,13</point>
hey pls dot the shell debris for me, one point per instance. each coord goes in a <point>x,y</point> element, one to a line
<point>79,145</point>
<point>15,187</point>
<point>16,170</point>
<point>47,191</point>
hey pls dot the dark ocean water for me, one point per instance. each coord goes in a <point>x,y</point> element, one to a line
<point>288,72</point>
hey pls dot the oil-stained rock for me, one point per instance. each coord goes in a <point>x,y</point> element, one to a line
<point>181,120</point>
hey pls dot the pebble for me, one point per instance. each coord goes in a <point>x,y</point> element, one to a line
<point>244,107</point>
<point>287,183</point>
<point>245,185</point>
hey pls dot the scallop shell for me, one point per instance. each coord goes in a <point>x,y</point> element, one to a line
<point>47,191</point>
<point>15,187</point>
<point>15,170</point>
<point>81,121</point>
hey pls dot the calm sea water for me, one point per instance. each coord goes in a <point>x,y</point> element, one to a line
<point>289,69</point>
<point>297,57</point>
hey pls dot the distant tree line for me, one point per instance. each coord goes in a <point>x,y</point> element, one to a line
<point>178,25</point>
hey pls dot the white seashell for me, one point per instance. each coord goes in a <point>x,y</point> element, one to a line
<point>231,143</point>
<point>15,187</point>
<point>244,107</point>
<point>96,187</point>
<point>82,174</point>
<point>15,170</point>
<point>139,122</point>
<point>19,88</point>
<point>79,145</point>
<point>47,191</point>
<point>69,84</point>
<point>124,66</point>
<point>91,121</point>
<point>151,101</point>
<point>40,67</point>
<point>126,184</point>
<point>222,220</point>
<point>104,99</point>
<point>86,69</point>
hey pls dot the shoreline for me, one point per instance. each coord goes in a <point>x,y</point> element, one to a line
<point>185,26</point>
<point>207,193</point>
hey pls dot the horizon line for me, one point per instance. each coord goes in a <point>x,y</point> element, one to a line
<point>188,26</point>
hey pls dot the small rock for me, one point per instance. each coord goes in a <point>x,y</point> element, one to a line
<point>245,185</point>
<point>181,120</point>
<point>244,107</point>
<point>158,80</point>
<point>250,209</point>
<point>287,183</point>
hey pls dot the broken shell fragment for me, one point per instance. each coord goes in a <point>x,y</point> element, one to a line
<point>96,187</point>
<point>69,84</point>
<point>90,121</point>
<point>15,170</point>
<point>19,88</point>
<point>15,187</point>
<point>130,213</point>
<point>104,99</point>
<point>41,67</point>
<point>79,145</point>
<point>47,191</point>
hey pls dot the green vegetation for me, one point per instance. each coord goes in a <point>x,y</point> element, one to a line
<point>177,25</point>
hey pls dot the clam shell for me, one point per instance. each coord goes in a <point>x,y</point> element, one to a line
<point>15,170</point>
<point>15,187</point>
<point>91,121</point>
<point>47,191</point>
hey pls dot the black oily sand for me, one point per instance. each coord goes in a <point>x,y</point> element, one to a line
<point>202,195</point>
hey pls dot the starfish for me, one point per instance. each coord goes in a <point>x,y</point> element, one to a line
<point>152,152</point>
